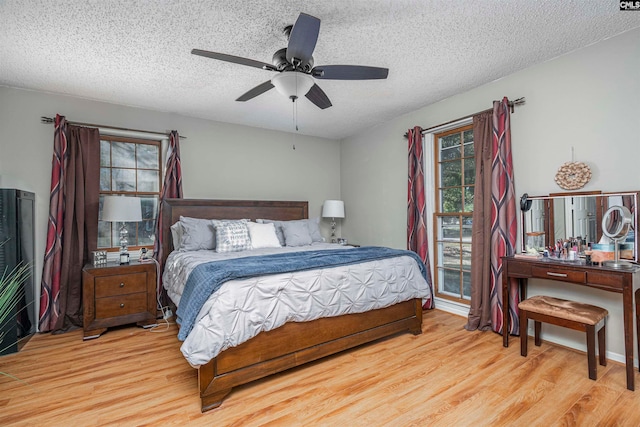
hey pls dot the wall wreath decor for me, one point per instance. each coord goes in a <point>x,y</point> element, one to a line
<point>573,175</point>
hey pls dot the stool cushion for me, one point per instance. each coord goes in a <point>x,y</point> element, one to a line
<point>564,309</point>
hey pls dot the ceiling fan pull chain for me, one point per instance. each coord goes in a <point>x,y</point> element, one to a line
<point>295,124</point>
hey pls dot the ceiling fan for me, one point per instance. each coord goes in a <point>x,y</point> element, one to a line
<point>294,65</point>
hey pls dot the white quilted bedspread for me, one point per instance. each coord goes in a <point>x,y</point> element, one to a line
<point>243,308</point>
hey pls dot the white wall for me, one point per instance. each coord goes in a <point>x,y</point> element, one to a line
<point>588,100</point>
<point>219,160</point>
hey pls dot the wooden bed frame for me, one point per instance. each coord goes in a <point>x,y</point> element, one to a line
<point>292,344</point>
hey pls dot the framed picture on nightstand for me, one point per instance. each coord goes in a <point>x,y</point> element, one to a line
<point>344,242</point>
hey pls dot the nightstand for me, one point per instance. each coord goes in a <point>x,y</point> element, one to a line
<point>115,294</point>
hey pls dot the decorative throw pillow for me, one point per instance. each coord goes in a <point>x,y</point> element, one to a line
<point>217,222</point>
<point>197,234</point>
<point>278,225</point>
<point>263,235</point>
<point>296,233</point>
<point>232,236</point>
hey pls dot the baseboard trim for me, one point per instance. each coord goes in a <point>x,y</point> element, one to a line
<point>563,342</point>
<point>452,307</point>
<point>463,310</point>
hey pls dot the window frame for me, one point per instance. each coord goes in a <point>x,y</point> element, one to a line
<point>157,194</point>
<point>438,215</point>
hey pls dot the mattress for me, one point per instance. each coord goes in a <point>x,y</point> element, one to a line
<point>243,308</point>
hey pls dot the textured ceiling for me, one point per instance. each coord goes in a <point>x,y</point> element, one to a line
<point>137,53</point>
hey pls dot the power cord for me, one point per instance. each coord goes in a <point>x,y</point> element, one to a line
<point>166,310</point>
<point>161,327</point>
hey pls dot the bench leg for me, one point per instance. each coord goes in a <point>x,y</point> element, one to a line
<point>602,346</point>
<point>524,335</point>
<point>637,298</point>
<point>537,327</point>
<point>591,351</point>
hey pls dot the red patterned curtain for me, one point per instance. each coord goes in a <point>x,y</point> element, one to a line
<point>49,304</point>
<point>171,189</point>
<point>73,224</point>
<point>503,217</point>
<point>417,238</point>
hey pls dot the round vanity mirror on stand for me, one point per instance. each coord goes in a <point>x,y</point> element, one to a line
<point>616,223</point>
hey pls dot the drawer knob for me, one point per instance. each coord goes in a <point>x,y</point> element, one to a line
<point>121,305</point>
<point>122,285</point>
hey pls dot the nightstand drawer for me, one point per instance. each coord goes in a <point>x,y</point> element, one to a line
<point>120,284</point>
<point>121,305</point>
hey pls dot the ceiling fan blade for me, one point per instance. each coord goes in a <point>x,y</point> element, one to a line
<point>258,90</point>
<point>349,72</point>
<point>233,59</point>
<point>303,38</point>
<point>318,97</point>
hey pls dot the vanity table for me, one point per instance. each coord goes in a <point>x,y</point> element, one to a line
<point>607,279</point>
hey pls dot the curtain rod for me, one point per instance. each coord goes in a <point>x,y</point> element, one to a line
<point>48,120</point>
<point>511,104</point>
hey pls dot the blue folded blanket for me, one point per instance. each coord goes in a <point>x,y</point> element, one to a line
<point>208,277</point>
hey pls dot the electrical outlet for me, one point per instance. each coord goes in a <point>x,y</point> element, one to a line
<point>167,314</point>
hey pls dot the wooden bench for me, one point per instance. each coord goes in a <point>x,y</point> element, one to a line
<point>570,314</point>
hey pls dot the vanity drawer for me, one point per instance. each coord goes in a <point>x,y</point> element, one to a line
<point>606,280</point>
<point>520,269</point>
<point>559,274</point>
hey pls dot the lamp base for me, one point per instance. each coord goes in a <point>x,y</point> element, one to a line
<point>333,231</point>
<point>124,252</point>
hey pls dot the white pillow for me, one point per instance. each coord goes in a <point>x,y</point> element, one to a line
<point>278,225</point>
<point>263,235</point>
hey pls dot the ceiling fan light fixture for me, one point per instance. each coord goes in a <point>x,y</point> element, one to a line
<point>292,84</point>
<point>295,66</point>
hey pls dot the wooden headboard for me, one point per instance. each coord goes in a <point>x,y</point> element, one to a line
<point>172,209</point>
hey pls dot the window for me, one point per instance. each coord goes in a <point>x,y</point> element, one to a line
<point>130,167</point>
<point>455,180</point>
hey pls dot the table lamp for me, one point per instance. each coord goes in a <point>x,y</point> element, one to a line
<point>333,209</point>
<point>122,209</point>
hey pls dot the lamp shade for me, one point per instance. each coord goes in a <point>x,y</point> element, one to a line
<point>333,209</point>
<point>121,209</point>
<point>292,84</point>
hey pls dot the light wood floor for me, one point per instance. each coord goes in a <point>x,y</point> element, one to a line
<point>444,377</point>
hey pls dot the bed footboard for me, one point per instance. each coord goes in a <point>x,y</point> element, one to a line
<point>294,344</point>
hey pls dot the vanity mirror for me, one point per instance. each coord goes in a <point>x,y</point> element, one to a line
<point>575,215</point>
<point>616,225</point>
